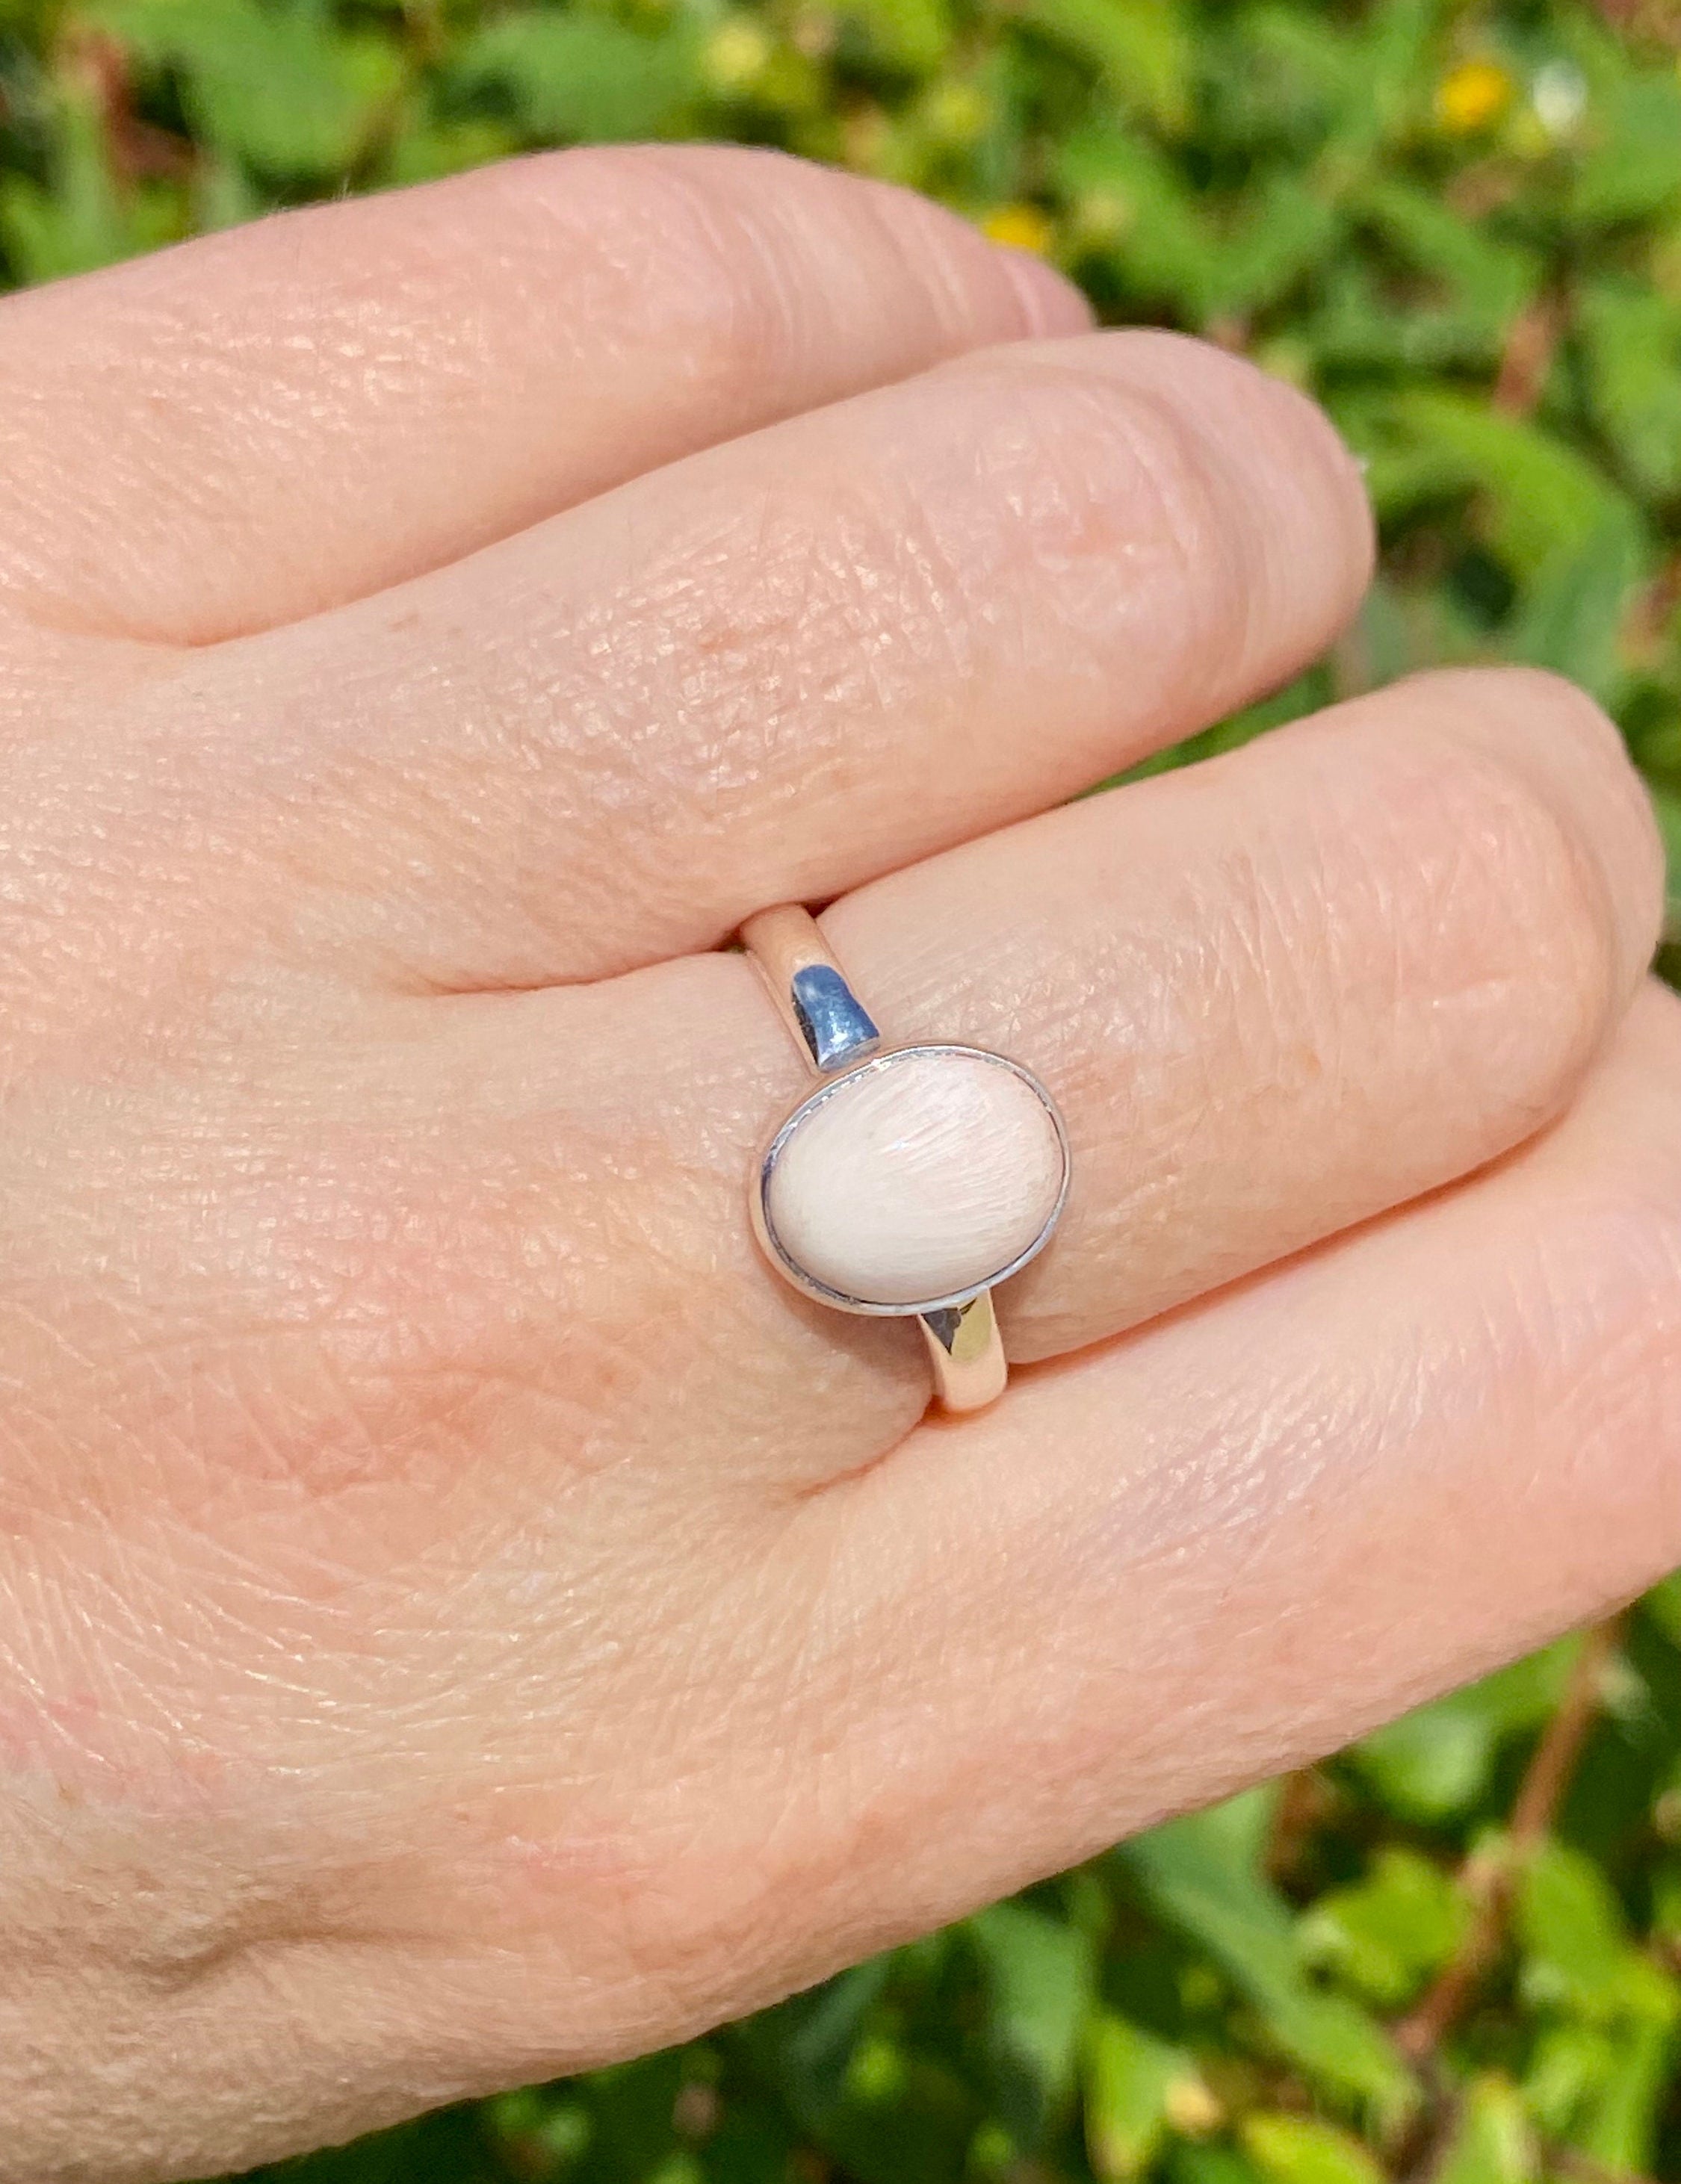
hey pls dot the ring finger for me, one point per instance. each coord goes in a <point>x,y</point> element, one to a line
<point>1275,995</point>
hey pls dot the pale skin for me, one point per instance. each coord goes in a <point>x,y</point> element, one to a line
<point>461,1619</point>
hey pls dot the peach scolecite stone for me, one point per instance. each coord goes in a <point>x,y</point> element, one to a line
<point>924,1174</point>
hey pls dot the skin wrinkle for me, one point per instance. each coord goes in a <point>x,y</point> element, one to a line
<point>471,1622</point>
<point>1288,1469</point>
<point>591,271</point>
<point>634,700</point>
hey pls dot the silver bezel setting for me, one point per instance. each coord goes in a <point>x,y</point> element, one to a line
<point>796,1275</point>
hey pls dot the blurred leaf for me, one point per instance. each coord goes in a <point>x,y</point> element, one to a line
<point>1296,2149</point>
<point>1571,1928</point>
<point>1632,336</point>
<point>423,151</point>
<point>1543,500</point>
<point>1126,192</point>
<point>1577,1955</point>
<point>1288,229</point>
<point>1138,47</point>
<point>912,34</point>
<point>81,220</point>
<point>1490,278</point>
<point>1571,616</point>
<point>809,2042</point>
<point>631,2118</point>
<point>1600,2088</point>
<point>1203,1875</point>
<point>282,85</point>
<point>447,2148</point>
<point>1635,166</point>
<point>1492,2141</point>
<point>1436,1761</point>
<point>582,78</point>
<point>1666,805</point>
<point>1387,1935</point>
<point>1663,1602</point>
<point>1137,2088</point>
<point>1041,1975</point>
<point>1603,2085</point>
<point>1619,2126</point>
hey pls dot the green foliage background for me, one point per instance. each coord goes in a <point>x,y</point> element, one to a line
<point>1453,1953</point>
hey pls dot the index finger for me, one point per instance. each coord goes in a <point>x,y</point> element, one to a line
<point>267,422</point>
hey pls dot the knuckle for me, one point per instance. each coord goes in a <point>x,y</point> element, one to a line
<point>767,259</point>
<point>1556,742</point>
<point>1515,704</point>
<point>1016,511</point>
<point>1531,881</point>
<point>709,217</point>
<point>1088,477</point>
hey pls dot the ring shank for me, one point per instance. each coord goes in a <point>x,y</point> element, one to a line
<point>967,1352</point>
<point>810,990</point>
<point>833,1030</point>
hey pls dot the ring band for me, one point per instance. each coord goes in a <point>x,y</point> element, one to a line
<point>912,1180</point>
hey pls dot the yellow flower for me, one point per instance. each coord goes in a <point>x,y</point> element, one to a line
<point>1471,96</point>
<point>1023,227</point>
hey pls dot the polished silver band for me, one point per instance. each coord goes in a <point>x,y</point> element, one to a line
<point>858,1080</point>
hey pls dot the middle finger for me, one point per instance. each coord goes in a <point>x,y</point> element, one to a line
<point>1276,995</point>
<point>780,668</point>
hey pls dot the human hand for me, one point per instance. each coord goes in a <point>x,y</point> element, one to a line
<point>462,1618</point>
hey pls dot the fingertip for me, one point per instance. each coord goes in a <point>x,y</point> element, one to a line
<point>1255,489</point>
<point>1573,757</point>
<point>1317,513</point>
<point>1050,303</point>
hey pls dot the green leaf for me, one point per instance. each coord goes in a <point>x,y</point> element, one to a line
<point>1634,169</point>
<point>583,78</point>
<point>1543,498</point>
<point>1040,1976</point>
<point>1435,1762</point>
<point>1666,805</point>
<point>1202,1874</point>
<point>450,2147</point>
<point>1387,1935</point>
<point>1431,1763</point>
<point>1138,48</point>
<point>1571,618</point>
<point>1601,2087</point>
<point>1619,2125</point>
<point>1131,2081</point>
<point>1125,190</point>
<point>1492,2141</point>
<point>808,2042</point>
<point>81,220</point>
<point>1297,2149</point>
<point>1213,2161</point>
<point>1567,2061</point>
<point>424,151</point>
<point>1289,228</point>
<point>1577,1954</point>
<point>282,85</point>
<point>1631,336</point>
<point>1663,1602</point>
<point>1489,279</point>
<point>915,35</point>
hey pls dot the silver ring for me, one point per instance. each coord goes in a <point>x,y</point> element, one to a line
<point>912,1180</point>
